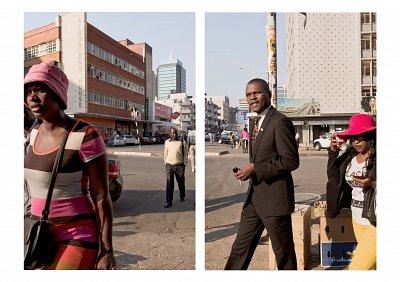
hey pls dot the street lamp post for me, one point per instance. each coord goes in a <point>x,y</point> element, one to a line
<point>134,115</point>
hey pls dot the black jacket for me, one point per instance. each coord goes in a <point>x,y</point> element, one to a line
<point>338,191</point>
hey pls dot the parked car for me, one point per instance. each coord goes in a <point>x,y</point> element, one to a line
<point>323,142</point>
<point>130,140</point>
<point>225,137</point>
<point>116,141</point>
<point>115,180</point>
<point>146,140</point>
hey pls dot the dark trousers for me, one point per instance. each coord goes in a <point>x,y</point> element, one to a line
<point>179,172</point>
<point>251,226</point>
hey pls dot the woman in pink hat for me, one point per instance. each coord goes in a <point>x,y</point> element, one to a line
<point>80,218</point>
<point>350,175</point>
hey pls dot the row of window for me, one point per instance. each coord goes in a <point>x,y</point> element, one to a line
<point>105,100</point>
<point>40,50</point>
<point>367,18</point>
<point>368,91</point>
<point>112,59</point>
<point>106,76</point>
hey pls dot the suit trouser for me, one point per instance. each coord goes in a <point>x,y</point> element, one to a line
<point>179,172</point>
<point>251,226</point>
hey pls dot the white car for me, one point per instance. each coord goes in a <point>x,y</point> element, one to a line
<point>116,141</point>
<point>130,140</point>
<point>323,142</point>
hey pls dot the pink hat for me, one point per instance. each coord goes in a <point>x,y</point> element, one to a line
<point>52,76</point>
<point>359,124</point>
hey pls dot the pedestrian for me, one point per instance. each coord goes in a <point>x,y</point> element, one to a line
<point>175,158</point>
<point>192,148</point>
<point>269,203</point>
<point>211,137</point>
<point>351,176</point>
<point>297,137</point>
<point>80,219</point>
<point>245,140</point>
<point>232,140</point>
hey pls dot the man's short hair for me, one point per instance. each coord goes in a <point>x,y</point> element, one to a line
<point>263,84</point>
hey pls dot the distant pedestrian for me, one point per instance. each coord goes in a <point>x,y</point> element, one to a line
<point>245,140</point>
<point>192,148</point>
<point>232,140</point>
<point>175,159</point>
<point>297,137</point>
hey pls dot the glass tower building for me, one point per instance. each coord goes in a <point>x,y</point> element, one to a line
<point>171,78</point>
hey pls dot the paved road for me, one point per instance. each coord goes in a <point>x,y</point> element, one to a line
<point>145,234</point>
<point>225,196</point>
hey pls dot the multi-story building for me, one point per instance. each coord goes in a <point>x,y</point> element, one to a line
<point>171,78</point>
<point>183,111</point>
<point>212,122</point>
<point>223,106</point>
<point>331,70</point>
<point>108,80</point>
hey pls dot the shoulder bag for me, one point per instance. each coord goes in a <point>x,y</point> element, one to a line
<point>39,247</point>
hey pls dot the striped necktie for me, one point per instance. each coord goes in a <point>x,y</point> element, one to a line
<point>255,131</point>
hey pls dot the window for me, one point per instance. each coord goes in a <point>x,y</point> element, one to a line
<point>40,50</point>
<point>373,68</point>
<point>365,42</point>
<point>365,92</point>
<point>374,41</point>
<point>366,69</point>
<point>365,18</point>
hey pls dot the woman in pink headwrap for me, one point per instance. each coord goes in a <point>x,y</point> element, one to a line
<point>81,210</point>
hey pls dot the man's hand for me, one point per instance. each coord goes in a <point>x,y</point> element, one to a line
<point>245,172</point>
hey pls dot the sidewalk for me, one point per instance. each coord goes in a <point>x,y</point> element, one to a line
<point>214,149</point>
<point>211,150</point>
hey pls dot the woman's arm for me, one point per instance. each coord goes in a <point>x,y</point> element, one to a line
<point>98,173</point>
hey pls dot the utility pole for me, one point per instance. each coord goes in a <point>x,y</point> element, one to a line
<point>272,63</point>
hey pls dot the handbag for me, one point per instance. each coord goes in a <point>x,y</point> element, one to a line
<point>39,247</point>
<point>369,205</point>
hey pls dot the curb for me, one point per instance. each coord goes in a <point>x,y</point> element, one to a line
<point>131,154</point>
<point>207,154</point>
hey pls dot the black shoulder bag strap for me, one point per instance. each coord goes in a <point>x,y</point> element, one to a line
<point>46,210</point>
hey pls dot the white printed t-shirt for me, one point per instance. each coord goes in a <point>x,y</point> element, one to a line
<point>358,169</point>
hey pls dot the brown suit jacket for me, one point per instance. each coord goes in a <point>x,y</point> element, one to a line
<point>274,156</point>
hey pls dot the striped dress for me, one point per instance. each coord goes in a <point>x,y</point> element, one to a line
<point>72,213</point>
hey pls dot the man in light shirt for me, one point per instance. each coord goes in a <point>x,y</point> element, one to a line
<point>192,148</point>
<point>175,159</point>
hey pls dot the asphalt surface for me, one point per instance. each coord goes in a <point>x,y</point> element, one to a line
<point>224,198</point>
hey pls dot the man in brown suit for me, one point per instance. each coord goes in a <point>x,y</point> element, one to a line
<point>270,196</point>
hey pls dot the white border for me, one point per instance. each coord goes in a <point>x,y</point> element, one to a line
<point>388,130</point>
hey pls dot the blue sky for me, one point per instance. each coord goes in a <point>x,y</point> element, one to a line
<point>164,32</point>
<point>236,51</point>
